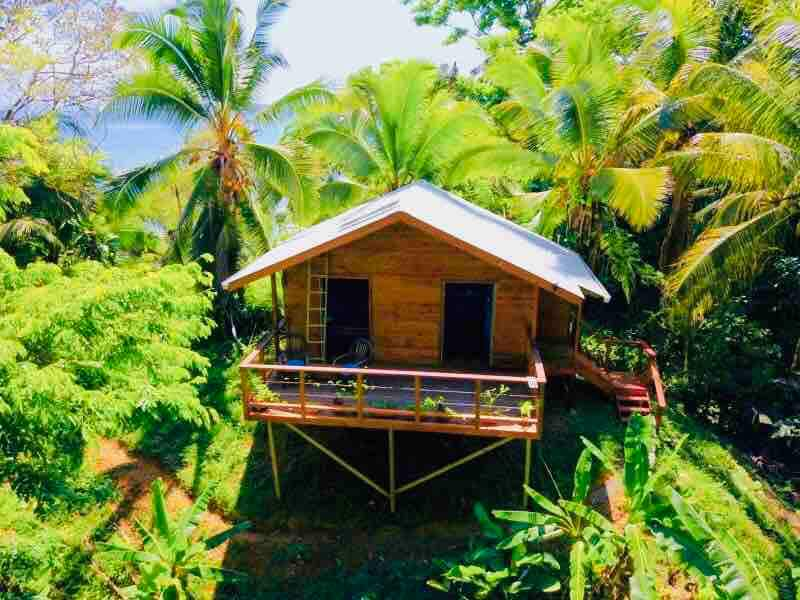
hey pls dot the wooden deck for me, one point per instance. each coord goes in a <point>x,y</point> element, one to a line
<point>508,405</point>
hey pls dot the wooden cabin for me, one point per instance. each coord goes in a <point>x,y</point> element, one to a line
<point>454,305</point>
<point>432,281</point>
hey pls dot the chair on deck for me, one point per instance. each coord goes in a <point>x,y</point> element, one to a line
<point>358,356</point>
<point>296,352</point>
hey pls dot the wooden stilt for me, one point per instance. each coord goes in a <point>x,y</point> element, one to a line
<point>274,459</point>
<point>527,476</point>
<point>392,495</point>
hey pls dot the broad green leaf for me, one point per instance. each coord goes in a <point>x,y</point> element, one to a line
<point>642,586</point>
<point>583,476</point>
<point>223,537</point>
<point>534,535</point>
<point>587,514</point>
<point>523,516</point>
<point>160,516</point>
<point>489,528</point>
<point>544,502</point>
<point>600,455</point>
<point>577,571</point>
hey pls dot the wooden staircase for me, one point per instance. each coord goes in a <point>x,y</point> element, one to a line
<point>641,393</point>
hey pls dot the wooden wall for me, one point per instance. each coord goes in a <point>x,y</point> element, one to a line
<point>406,268</point>
<point>555,316</point>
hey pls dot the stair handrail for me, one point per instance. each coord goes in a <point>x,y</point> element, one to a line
<point>651,371</point>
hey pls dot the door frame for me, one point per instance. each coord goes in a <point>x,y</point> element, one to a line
<point>492,316</point>
<point>368,279</point>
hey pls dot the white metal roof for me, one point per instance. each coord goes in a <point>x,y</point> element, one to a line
<point>458,219</point>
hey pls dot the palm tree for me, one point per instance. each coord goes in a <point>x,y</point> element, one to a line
<point>201,74</point>
<point>679,36</point>
<point>568,103</point>
<point>397,124</point>
<point>754,163</point>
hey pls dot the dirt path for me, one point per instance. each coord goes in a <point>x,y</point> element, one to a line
<point>281,553</point>
<point>133,476</point>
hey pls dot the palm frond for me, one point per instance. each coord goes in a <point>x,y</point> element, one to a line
<point>122,191</point>
<point>281,167</point>
<point>635,194</point>
<point>156,94</point>
<point>745,162</point>
<point>26,229</point>
<point>515,73</point>
<point>168,43</point>
<point>344,148</point>
<point>722,259</point>
<point>315,93</point>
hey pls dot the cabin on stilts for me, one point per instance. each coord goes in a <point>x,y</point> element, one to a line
<point>419,311</point>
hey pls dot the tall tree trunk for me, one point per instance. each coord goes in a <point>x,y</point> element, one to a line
<point>677,235</point>
<point>796,361</point>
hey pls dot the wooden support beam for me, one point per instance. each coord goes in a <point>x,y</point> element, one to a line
<point>335,457</point>
<point>244,383</point>
<point>451,466</point>
<point>274,459</point>
<point>392,493</point>
<point>527,475</point>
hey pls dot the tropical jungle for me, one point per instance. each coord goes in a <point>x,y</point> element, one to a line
<point>657,139</point>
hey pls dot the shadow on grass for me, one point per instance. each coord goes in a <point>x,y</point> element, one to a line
<point>332,529</point>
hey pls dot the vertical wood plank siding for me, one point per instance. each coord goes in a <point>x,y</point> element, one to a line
<point>407,269</point>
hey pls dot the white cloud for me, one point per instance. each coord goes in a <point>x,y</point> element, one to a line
<point>330,39</point>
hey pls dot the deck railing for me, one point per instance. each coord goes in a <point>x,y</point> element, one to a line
<point>375,398</point>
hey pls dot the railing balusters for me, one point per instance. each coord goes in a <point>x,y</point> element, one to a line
<point>417,397</point>
<point>302,382</point>
<point>477,404</point>
<point>360,395</point>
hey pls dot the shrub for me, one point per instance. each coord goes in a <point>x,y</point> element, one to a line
<point>93,350</point>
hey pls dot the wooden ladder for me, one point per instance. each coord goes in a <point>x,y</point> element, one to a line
<point>317,307</point>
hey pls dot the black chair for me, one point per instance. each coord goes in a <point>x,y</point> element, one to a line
<point>358,356</point>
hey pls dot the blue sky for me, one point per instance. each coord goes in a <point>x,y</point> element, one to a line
<point>332,38</point>
<point>321,39</point>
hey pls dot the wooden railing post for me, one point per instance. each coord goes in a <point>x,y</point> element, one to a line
<point>360,395</point>
<point>477,404</point>
<point>417,397</point>
<point>302,383</point>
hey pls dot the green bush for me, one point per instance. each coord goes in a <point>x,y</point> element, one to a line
<point>93,350</point>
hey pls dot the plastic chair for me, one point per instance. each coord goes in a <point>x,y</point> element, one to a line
<point>358,356</point>
<point>296,351</point>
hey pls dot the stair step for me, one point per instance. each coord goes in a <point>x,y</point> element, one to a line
<point>633,402</point>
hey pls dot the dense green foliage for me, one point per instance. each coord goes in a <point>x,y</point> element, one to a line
<point>93,350</point>
<point>658,138</point>
<point>48,192</point>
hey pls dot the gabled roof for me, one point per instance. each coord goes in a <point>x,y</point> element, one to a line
<point>458,222</point>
